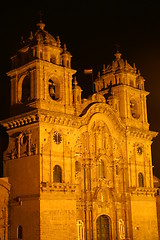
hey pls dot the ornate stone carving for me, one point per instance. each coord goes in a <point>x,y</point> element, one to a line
<point>23,146</point>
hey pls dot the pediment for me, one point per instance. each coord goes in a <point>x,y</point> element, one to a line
<point>102,112</point>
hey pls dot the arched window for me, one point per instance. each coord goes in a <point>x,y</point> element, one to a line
<point>101,168</point>
<point>26,89</point>
<point>40,55</point>
<point>57,174</point>
<point>117,169</point>
<point>54,89</point>
<point>140,180</point>
<point>134,109</point>
<point>77,167</point>
<point>19,232</point>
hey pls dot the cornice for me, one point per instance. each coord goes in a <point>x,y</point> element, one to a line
<point>58,118</point>
<point>20,70</point>
<point>143,191</point>
<point>126,86</point>
<point>20,120</point>
<point>58,187</point>
<point>38,63</point>
<point>39,115</point>
<point>141,133</point>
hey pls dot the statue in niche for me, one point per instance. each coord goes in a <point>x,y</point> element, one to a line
<point>102,197</point>
<point>121,229</point>
<point>80,230</point>
<point>22,146</point>
<point>34,149</point>
<point>101,137</point>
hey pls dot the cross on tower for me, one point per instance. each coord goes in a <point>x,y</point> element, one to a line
<point>117,47</point>
<point>40,15</point>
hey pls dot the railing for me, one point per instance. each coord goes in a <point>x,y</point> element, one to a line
<point>143,191</point>
<point>62,187</point>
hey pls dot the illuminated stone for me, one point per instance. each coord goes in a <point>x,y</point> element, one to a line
<point>78,168</point>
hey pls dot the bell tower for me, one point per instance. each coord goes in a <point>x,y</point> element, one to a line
<point>41,75</point>
<point>78,168</point>
<point>38,160</point>
<point>123,87</point>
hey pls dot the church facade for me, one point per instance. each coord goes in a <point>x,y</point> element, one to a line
<point>77,168</point>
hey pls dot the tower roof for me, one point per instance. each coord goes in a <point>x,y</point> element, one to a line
<point>120,64</point>
<point>40,36</point>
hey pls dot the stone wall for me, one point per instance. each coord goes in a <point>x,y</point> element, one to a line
<point>4,198</point>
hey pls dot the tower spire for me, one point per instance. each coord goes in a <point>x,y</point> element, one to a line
<point>40,16</point>
<point>40,25</point>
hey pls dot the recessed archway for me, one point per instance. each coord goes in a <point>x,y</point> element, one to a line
<point>25,89</point>
<point>54,89</point>
<point>103,225</point>
<point>57,174</point>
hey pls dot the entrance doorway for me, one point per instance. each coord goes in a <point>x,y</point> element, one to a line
<point>103,228</point>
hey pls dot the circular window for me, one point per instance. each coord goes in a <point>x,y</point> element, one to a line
<point>57,138</point>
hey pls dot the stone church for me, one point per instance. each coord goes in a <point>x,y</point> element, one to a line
<point>75,168</point>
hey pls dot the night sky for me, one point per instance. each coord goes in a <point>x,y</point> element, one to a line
<point>91,31</point>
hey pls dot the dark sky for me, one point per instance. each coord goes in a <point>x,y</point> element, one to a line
<point>91,29</point>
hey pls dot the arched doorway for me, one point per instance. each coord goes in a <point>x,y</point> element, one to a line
<point>103,224</point>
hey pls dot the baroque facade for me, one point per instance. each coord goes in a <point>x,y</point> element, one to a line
<point>156,182</point>
<point>78,168</point>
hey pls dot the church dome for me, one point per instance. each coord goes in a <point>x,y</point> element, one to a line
<point>119,64</point>
<point>43,36</point>
<point>40,36</point>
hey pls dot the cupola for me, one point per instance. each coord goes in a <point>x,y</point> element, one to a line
<point>66,57</point>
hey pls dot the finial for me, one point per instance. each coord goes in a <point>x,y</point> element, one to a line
<point>22,40</point>
<point>40,16</point>
<point>134,66</point>
<point>99,74</point>
<point>41,25</point>
<point>31,35</point>
<point>104,69</point>
<point>58,41</point>
<point>117,46</point>
<point>65,48</point>
<point>117,55</point>
<point>75,81</point>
